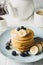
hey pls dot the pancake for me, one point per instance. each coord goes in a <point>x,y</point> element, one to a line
<point>22,40</point>
<point>27,37</point>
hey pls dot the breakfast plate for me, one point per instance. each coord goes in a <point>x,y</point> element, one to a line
<point>4,38</point>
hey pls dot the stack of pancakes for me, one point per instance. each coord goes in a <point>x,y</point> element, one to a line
<point>22,40</point>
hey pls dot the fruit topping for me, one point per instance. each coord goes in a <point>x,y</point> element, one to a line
<point>24,54</point>
<point>18,29</point>
<point>10,41</point>
<point>8,47</point>
<point>42,44</point>
<point>39,47</point>
<point>22,27</point>
<point>34,50</point>
<point>14,53</point>
<point>22,33</point>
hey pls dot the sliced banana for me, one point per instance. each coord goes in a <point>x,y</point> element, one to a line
<point>22,33</point>
<point>34,50</point>
<point>42,44</point>
<point>39,47</point>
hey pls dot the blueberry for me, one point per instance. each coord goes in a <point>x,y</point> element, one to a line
<point>8,44</point>
<point>18,29</point>
<point>14,53</point>
<point>8,47</point>
<point>22,27</point>
<point>24,54</point>
<point>10,41</point>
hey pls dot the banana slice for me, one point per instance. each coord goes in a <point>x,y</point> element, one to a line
<point>22,33</point>
<point>39,48</point>
<point>34,50</point>
<point>42,44</point>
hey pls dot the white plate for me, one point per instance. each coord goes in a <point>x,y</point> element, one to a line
<point>3,40</point>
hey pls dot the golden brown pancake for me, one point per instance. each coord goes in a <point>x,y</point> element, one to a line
<point>22,43</point>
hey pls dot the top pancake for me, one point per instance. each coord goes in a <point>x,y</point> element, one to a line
<point>27,37</point>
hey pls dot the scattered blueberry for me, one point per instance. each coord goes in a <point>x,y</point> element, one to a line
<point>14,53</point>
<point>7,44</point>
<point>25,54</point>
<point>18,29</point>
<point>10,41</point>
<point>22,27</point>
<point>8,47</point>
